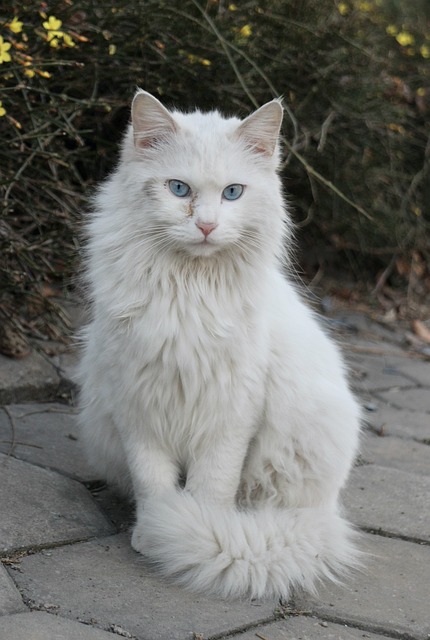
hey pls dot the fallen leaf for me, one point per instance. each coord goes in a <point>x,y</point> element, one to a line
<point>420,330</point>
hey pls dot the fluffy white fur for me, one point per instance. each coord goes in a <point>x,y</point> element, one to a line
<point>209,391</point>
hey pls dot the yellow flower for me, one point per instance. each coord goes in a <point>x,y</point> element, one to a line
<point>15,26</point>
<point>54,35</point>
<point>52,24</point>
<point>404,38</point>
<point>343,8</point>
<point>4,48</point>
<point>54,42</point>
<point>68,42</point>
<point>425,51</point>
<point>245,31</point>
<point>112,49</point>
<point>391,29</point>
<point>29,73</point>
<point>232,7</point>
<point>205,62</point>
<point>398,128</point>
<point>2,109</point>
<point>365,6</point>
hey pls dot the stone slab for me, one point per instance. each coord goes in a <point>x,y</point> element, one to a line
<point>46,435</point>
<point>397,422</point>
<point>397,453</point>
<point>305,628</point>
<point>418,370</point>
<point>10,598</point>
<point>37,625</point>
<point>106,581</point>
<point>66,364</point>
<point>389,500</point>
<point>391,593</point>
<point>415,399</point>
<point>361,327</point>
<point>371,373</point>
<point>371,346</point>
<point>30,378</point>
<point>40,507</point>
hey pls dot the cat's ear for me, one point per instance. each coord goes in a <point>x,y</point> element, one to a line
<point>151,121</point>
<point>261,129</point>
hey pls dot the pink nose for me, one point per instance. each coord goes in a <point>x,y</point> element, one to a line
<point>206,227</point>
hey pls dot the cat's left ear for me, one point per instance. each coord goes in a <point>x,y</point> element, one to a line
<point>261,129</point>
<point>151,121</point>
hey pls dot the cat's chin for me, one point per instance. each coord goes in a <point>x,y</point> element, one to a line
<point>203,249</point>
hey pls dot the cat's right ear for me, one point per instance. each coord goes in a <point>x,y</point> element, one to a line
<point>151,121</point>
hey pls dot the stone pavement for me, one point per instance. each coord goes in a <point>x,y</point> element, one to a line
<point>68,571</point>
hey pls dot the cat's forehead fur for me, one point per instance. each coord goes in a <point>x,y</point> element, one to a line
<point>206,146</point>
<point>205,124</point>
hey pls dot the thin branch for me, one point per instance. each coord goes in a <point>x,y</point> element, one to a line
<point>325,182</point>
<point>227,53</point>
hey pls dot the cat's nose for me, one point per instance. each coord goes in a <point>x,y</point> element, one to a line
<point>206,227</point>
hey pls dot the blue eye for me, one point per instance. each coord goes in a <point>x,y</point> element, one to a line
<point>179,188</point>
<point>233,191</point>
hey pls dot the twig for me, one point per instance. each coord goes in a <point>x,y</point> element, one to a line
<point>227,53</point>
<point>385,274</point>
<point>324,130</point>
<point>325,182</point>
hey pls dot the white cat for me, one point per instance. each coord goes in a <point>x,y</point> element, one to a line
<point>209,391</point>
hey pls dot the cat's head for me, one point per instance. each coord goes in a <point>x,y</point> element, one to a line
<point>202,183</point>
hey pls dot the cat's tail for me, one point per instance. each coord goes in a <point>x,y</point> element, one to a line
<point>233,553</point>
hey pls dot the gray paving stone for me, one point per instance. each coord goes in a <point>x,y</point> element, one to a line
<point>306,628</point>
<point>416,399</point>
<point>373,346</point>
<point>397,422</point>
<point>66,365</point>
<point>418,370</point>
<point>46,435</point>
<point>393,501</point>
<point>397,453</point>
<point>10,598</point>
<point>370,373</point>
<point>30,378</point>
<point>105,580</point>
<point>40,507</point>
<point>45,626</point>
<point>391,593</point>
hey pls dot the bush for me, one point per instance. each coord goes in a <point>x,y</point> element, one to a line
<point>354,75</point>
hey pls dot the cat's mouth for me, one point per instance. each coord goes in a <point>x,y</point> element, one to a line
<point>204,247</point>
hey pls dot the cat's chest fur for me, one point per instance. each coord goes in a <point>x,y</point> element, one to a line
<point>195,348</point>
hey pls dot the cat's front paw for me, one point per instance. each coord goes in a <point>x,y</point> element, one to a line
<point>137,538</point>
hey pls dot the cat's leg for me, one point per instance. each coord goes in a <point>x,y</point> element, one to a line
<point>153,471</point>
<point>103,446</point>
<point>123,457</point>
<point>213,475</point>
<point>154,476</point>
